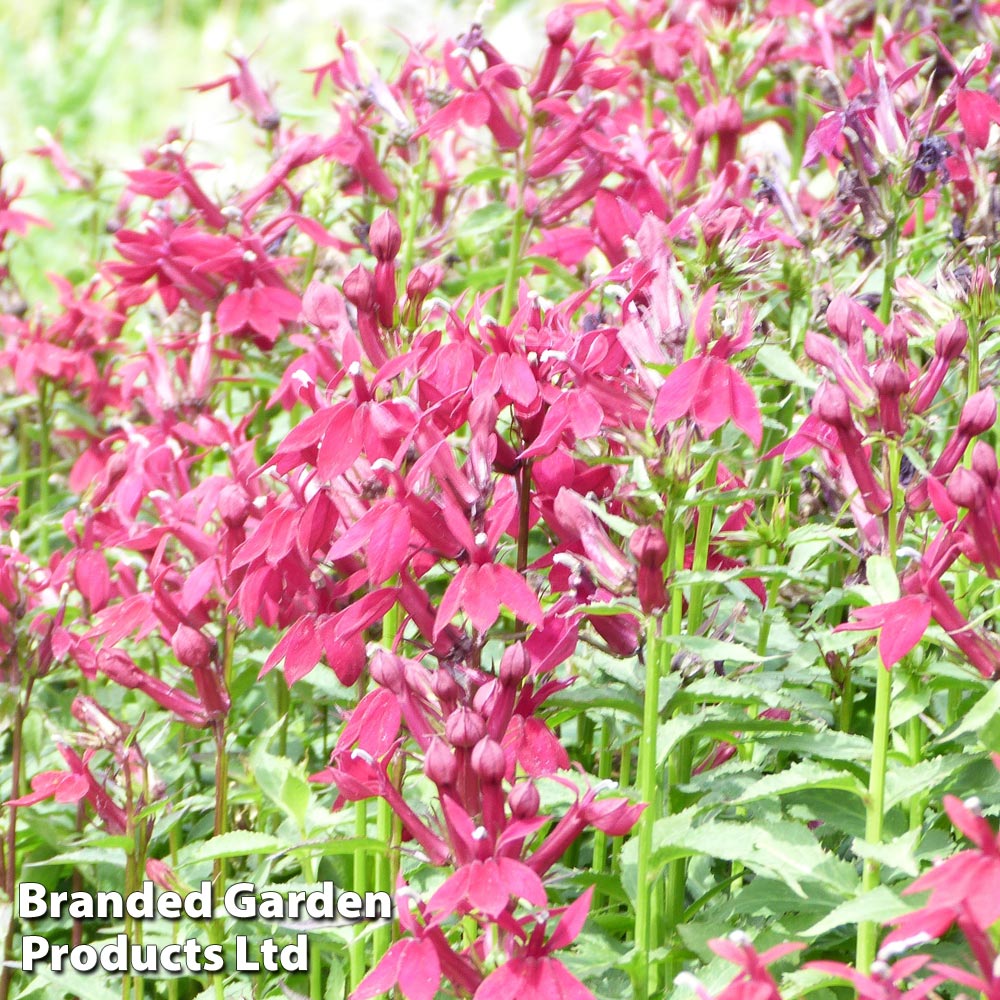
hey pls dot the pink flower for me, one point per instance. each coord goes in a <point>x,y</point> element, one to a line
<point>901,625</point>
<point>707,388</point>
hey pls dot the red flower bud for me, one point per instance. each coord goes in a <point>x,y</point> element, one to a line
<point>844,319</point>
<point>440,764</point>
<point>966,489</point>
<point>234,505</point>
<point>559,26</point>
<point>648,545</point>
<point>191,647</point>
<point>951,340</point>
<point>984,462</point>
<point>890,382</point>
<point>445,686</point>
<point>387,669</point>
<point>489,761</point>
<point>514,665</point>
<point>385,237</point>
<point>524,800</point>
<point>979,413</point>
<point>359,289</point>
<point>464,728</point>
<point>832,406</point>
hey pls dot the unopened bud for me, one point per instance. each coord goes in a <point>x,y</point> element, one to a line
<point>464,728</point>
<point>984,463</point>
<point>489,761</point>
<point>191,647</point>
<point>234,505</point>
<point>966,489</point>
<point>387,669</point>
<point>385,238</point>
<point>440,764</point>
<point>979,413</point>
<point>559,26</point>
<point>514,665</point>
<point>951,340</point>
<point>359,289</point>
<point>524,800</point>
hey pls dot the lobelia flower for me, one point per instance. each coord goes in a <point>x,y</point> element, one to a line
<point>531,972</point>
<point>707,388</point>
<point>246,91</point>
<point>901,625</point>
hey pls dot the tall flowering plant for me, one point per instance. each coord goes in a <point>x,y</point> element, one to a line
<point>485,505</point>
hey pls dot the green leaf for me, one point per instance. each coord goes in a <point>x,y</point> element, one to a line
<point>235,844</point>
<point>878,905</point>
<point>883,579</point>
<point>898,853</point>
<point>799,777</point>
<point>780,363</point>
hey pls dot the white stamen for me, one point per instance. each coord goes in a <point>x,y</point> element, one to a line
<point>358,754</point>
<point>894,948</point>
<point>974,805</point>
<point>479,833</point>
<point>551,355</point>
<point>354,369</point>
<point>303,378</point>
<point>249,257</point>
<point>481,538</point>
<point>740,938</point>
<point>879,969</point>
<point>383,463</point>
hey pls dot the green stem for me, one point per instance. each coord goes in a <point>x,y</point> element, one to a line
<point>648,791</point>
<point>418,178</point>
<point>875,817</point>
<point>384,881</point>
<point>875,806</point>
<point>315,963</point>
<point>359,884</point>
<point>517,229</point>
<point>43,479</point>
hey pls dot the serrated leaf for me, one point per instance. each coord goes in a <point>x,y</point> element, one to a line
<point>714,649</point>
<point>235,844</point>
<point>799,777</point>
<point>898,853</point>
<point>878,905</point>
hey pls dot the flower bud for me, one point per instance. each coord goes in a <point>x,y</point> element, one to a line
<point>422,281</point>
<point>191,647</point>
<point>832,406</point>
<point>729,115</point>
<point>979,413</point>
<point>951,340</point>
<point>514,665</point>
<point>161,874</point>
<point>648,545</point>
<point>559,26</point>
<point>387,670</point>
<point>445,686</point>
<point>524,800</point>
<point>359,289</point>
<point>464,728</point>
<point>440,764</point>
<point>234,505</point>
<point>966,489</point>
<point>385,237</point>
<point>984,462</point>
<point>489,761</point>
<point>844,319</point>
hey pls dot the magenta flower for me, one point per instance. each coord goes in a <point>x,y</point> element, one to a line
<point>707,388</point>
<point>901,625</point>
